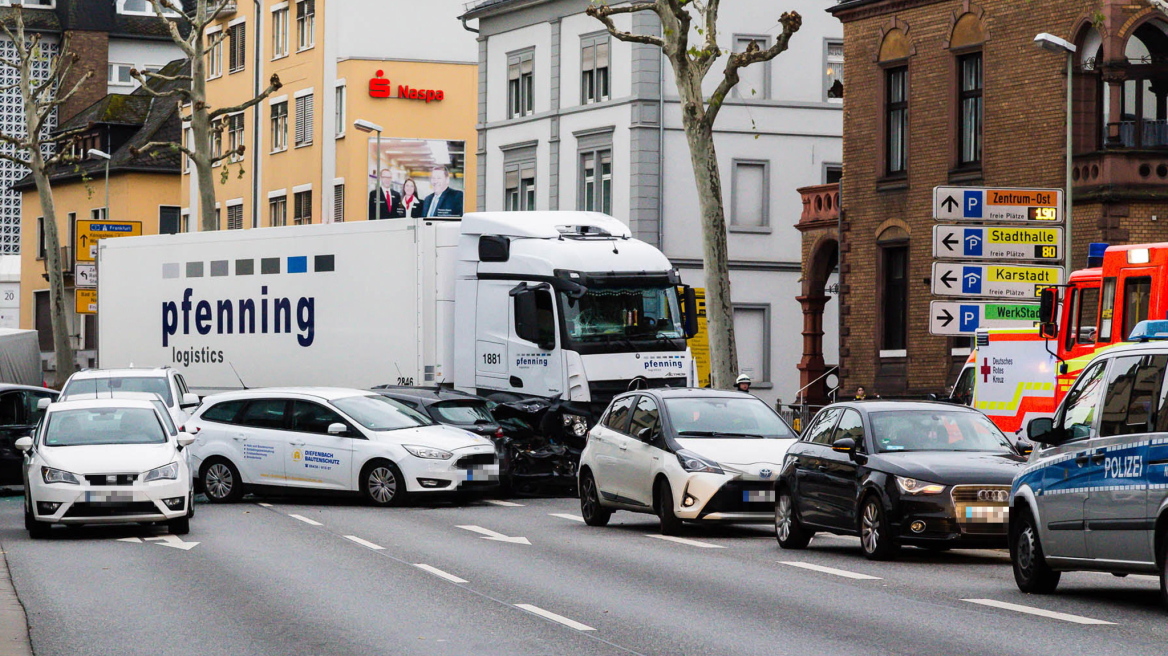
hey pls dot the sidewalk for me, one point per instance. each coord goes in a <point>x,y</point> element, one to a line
<point>14,640</point>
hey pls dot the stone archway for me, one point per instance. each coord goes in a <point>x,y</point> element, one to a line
<point>819,225</point>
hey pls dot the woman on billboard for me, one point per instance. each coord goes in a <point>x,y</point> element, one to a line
<point>411,203</point>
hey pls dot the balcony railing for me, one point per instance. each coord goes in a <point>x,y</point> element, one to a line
<point>229,8</point>
<point>820,205</point>
<point>1147,133</point>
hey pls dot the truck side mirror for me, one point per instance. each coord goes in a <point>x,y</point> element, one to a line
<point>689,305</point>
<point>494,248</point>
<point>1048,306</point>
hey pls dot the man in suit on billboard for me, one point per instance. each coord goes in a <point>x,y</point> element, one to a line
<point>444,201</point>
<point>385,196</point>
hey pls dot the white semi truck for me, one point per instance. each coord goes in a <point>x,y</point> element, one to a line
<point>512,305</point>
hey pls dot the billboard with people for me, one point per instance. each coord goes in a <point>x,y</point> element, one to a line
<point>416,178</point>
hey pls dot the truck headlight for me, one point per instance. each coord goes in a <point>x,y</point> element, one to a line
<point>429,453</point>
<point>163,473</point>
<point>51,475</point>
<point>913,486</point>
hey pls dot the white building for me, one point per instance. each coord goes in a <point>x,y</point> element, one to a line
<point>570,118</point>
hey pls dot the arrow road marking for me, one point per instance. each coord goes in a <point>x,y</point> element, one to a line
<point>692,543</point>
<point>574,518</point>
<point>1077,619</point>
<point>547,614</point>
<point>831,570</point>
<point>946,317</point>
<point>174,541</point>
<point>137,541</point>
<point>488,534</point>
<point>439,573</point>
<point>948,278</point>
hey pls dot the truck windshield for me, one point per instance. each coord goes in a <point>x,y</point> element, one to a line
<point>604,313</point>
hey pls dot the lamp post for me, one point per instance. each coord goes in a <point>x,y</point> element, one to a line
<point>93,152</point>
<point>1052,43</point>
<point>366,126</point>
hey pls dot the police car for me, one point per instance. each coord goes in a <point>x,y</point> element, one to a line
<point>1094,495</point>
<point>331,439</point>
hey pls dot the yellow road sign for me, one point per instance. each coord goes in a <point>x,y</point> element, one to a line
<point>86,300</point>
<point>91,232</point>
<point>699,344</point>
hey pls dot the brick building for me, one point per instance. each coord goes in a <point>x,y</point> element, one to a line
<point>953,92</point>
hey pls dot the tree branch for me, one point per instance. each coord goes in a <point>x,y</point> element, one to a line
<point>154,145</point>
<point>273,86</point>
<point>172,27</point>
<point>603,13</point>
<point>791,22</point>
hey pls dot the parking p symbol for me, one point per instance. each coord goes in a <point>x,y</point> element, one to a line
<point>972,205</point>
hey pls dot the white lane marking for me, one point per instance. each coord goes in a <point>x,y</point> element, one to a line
<point>439,573</point>
<point>364,543</point>
<point>505,504</point>
<point>1077,619</point>
<point>831,570</point>
<point>692,543</point>
<point>134,540</point>
<point>264,505</point>
<point>488,534</point>
<point>574,518</point>
<point>173,541</point>
<point>306,520</point>
<point>555,618</point>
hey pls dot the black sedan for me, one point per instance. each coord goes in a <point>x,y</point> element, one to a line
<point>18,417</point>
<point>895,473</point>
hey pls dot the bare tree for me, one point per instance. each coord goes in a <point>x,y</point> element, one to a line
<point>206,122</point>
<point>691,64</point>
<point>39,149</point>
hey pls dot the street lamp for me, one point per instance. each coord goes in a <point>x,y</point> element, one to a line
<point>1052,43</point>
<point>98,154</point>
<point>366,126</point>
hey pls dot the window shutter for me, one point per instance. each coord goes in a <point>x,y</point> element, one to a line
<point>308,121</point>
<point>339,203</point>
<point>300,120</point>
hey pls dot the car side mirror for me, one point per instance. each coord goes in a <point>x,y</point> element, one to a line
<point>1024,448</point>
<point>185,439</point>
<point>24,443</point>
<point>43,403</point>
<point>189,400</point>
<point>645,434</point>
<point>844,445</point>
<point>338,429</point>
<point>1042,431</point>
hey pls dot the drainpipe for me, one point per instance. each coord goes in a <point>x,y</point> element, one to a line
<point>465,26</point>
<point>660,152</point>
<point>256,111</point>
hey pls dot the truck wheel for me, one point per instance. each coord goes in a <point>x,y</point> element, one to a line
<point>593,513</point>
<point>221,481</point>
<point>382,484</point>
<point>1031,572</point>
<point>670,524</point>
<point>789,531</point>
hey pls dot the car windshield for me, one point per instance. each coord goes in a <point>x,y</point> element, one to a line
<point>463,412</point>
<point>103,426</point>
<point>607,313</point>
<point>380,414</point>
<point>150,384</point>
<point>166,419</point>
<point>936,430</point>
<point>725,417</point>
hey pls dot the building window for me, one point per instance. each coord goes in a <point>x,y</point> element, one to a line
<point>38,4</point>
<point>279,126</point>
<point>41,253</point>
<point>339,203</point>
<point>214,54</point>
<point>596,181</point>
<point>235,136</point>
<point>750,194</point>
<point>216,141</point>
<point>185,221</point>
<point>304,111</point>
<point>971,109</point>
<point>278,211</point>
<point>43,319</point>
<point>521,84</point>
<point>520,193</point>
<point>832,173</point>
<point>594,72</point>
<point>303,208</point>
<point>893,301</point>
<point>235,217</point>
<point>280,33</point>
<point>896,119</point>
<point>217,225</point>
<point>339,129</point>
<point>305,24</point>
<point>237,34</point>
<point>128,7</point>
<point>98,214</point>
<point>753,80</point>
<point>833,80</point>
<point>169,220</point>
<point>752,330</point>
<point>119,75</point>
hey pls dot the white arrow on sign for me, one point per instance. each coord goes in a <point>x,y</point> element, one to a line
<point>488,534</point>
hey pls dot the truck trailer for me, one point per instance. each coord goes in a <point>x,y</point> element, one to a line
<point>563,306</point>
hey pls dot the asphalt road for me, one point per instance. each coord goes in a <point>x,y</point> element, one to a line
<point>294,576</point>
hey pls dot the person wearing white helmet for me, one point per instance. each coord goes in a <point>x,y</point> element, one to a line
<point>743,383</point>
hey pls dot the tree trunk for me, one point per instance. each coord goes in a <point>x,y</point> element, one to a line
<point>66,364</point>
<point>719,311</point>
<point>201,131</point>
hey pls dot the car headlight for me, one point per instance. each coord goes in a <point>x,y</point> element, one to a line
<point>163,473</point>
<point>692,462</point>
<point>58,476</point>
<point>576,425</point>
<point>429,453</point>
<point>913,486</point>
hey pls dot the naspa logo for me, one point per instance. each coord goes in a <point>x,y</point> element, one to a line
<point>531,360</point>
<point>664,362</point>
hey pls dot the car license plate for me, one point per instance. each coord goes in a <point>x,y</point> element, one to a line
<point>758,496</point>
<point>112,497</point>
<point>987,514</point>
<point>483,473</point>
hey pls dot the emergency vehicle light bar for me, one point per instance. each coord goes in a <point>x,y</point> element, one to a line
<point>1146,331</point>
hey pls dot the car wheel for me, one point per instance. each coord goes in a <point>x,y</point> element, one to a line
<point>382,484</point>
<point>789,531</point>
<point>590,509</point>
<point>1031,572</point>
<point>36,530</point>
<point>221,481</point>
<point>875,534</point>
<point>670,524</point>
<point>180,526</point>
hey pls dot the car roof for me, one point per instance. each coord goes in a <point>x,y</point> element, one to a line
<point>101,403</point>
<point>323,393</point>
<point>427,395</point>
<point>8,387</point>
<point>153,372</point>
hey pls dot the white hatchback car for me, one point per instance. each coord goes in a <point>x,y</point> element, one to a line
<point>332,439</point>
<point>106,461</point>
<point>684,455</point>
<point>168,384</point>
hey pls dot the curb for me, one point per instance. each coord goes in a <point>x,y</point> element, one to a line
<point>14,638</point>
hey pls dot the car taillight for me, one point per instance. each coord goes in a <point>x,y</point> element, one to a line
<point>499,433</point>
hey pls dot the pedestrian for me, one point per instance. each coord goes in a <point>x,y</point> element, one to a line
<point>743,383</point>
<point>860,393</point>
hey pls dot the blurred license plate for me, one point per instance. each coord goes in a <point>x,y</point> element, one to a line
<point>483,473</point>
<point>112,497</point>
<point>987,514</point>
<point>756,496</point>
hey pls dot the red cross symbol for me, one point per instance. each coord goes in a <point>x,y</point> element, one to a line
<point>985,370</point>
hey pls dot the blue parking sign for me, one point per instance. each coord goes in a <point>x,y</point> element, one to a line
<point>971,280</point>
<point>972,204</point>
<point>973,242</point>
<point>969,318</point>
